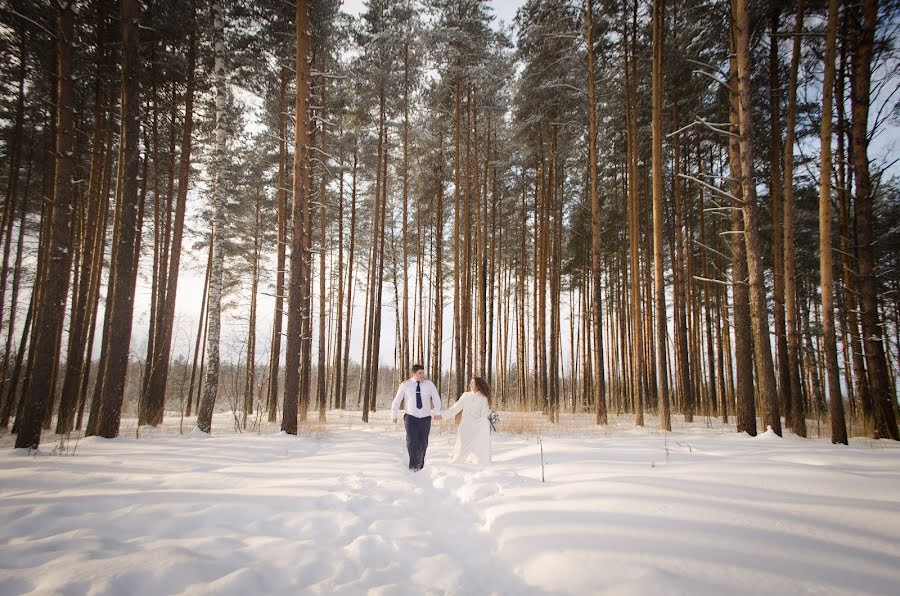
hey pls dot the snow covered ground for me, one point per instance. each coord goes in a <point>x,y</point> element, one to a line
<point>335,511</point>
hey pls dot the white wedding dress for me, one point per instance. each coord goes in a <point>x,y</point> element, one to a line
<point>473,439</point>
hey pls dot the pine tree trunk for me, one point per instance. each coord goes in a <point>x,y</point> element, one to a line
<point>798,416</point>
<point>275,353</point>
<point>465,338</point>
<point>301,180</point>
<point>835,398</point>
<point>681,294</point>
<point>758,309</point>
<point>438,315</point>
<point>873,330</point>
<point>707,309</point>
<point>521,342</point>
<point>538,393</point>
<point>743,340</point>
<point>634,228</point>
<point>404,311</point>
<point>599,384</point>
<point>458,313</point>
<point>338,363</point>
<point>370,381</point>
<point>859,392</point>
<point>250,378</point>
<point>784,381</point>
<point>91,263</point>
<point>120,298</point>
<point>665,420</point>
<point>350,283</point>
<point>105,190</point>
<point>55,274</point>
<point>156,287</point>
<point>321,385</point>
<point>491,232</point>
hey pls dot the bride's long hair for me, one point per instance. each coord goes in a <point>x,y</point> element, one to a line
<point>481,386</point>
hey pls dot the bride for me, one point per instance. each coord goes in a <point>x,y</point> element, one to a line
<point>473,439</point>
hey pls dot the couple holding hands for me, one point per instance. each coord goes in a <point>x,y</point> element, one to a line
<point>423,402</point>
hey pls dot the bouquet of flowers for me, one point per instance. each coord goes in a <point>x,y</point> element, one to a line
<point>493,418</point>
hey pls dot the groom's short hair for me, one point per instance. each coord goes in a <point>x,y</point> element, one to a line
<point>417,367</point>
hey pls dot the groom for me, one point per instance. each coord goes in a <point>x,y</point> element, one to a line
<point>422,398</point>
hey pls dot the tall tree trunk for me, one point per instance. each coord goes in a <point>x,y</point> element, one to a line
<point>275,354</point>
<point>859,393</point>
<point>321,384</point>
<point>217,203</point>
<point>76,364</point>
<point>798,416</point>
<point>91,266</point>
<point>157,232</point>
<point>120,301</point>
<point>599,385</point>
<point>745,414</point>
<point>301,180</point>
<point>835,398</point>
<point>707,291</point>
<point>105,190</point>
<point>521,342</point>
<point>250,378</point>
<point>665,420</point>
<point>404,311</point>
<point>373,330</point>
<point>379,286</point>
<point>634,229</point>
<point>350,283</point>
<point>491,232</point>
<point>873,330</point>
<point>775,146</point>
<point>458,313</point>
<point>464,338</point>
<point>338,363</point>
<point>554,237</point>
<point>681,293</point>
<point>55,275</point>
<point>762,349</point>
<point>437,338</point>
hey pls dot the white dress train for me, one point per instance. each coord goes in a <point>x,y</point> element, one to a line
<point>473,439</point>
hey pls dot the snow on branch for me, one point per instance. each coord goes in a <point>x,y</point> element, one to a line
<point>711,187</point>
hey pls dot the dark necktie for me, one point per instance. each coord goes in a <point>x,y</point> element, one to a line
<point>418,395</point>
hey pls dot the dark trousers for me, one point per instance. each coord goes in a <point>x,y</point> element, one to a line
<point>417,430</point>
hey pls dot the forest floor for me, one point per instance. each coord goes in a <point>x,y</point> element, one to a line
<point>620,510</point>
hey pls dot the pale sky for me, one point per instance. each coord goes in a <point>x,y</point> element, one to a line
<point>505,10</point>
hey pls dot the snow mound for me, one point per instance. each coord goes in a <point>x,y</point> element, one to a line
<point>769,435</point>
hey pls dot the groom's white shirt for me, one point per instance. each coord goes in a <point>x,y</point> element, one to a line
<point>407,391</point>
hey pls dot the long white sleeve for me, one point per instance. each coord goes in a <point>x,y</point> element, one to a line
<point>395,405</point>
<point>457,407</point>
<point>435,400</point>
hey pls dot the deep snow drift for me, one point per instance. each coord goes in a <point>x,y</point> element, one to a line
<point>334,511</point>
